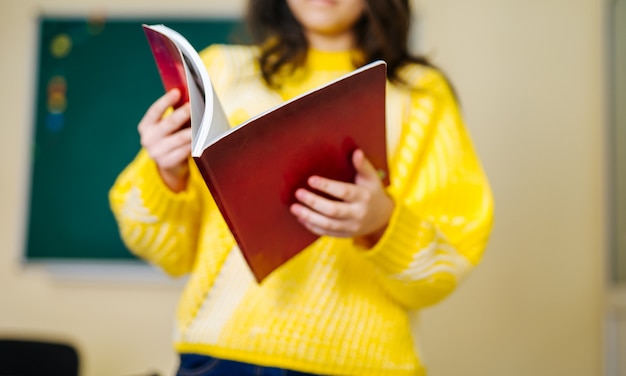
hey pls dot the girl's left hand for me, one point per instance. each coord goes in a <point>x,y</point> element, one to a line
<point>362,211</point>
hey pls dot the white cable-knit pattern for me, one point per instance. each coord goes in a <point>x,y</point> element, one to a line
<point>134,208</point>
<point>436,257</point>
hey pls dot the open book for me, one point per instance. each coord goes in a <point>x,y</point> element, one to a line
<point>253,169</point>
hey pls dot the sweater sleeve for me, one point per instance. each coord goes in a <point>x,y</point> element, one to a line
<point>444,205</point>
<point>156,224</point>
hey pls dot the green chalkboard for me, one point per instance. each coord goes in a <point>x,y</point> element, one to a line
<point>95,79</point>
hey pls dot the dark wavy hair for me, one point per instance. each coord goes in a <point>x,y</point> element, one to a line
<point>381,33</point>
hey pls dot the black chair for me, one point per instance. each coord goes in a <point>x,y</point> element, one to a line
<point>19,357</point>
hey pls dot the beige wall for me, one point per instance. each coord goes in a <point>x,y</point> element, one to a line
<point>530,77</point>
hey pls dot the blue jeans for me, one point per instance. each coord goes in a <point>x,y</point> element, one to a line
<point>201,365</point>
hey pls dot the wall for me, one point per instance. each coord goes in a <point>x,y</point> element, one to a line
<point>530,76</point>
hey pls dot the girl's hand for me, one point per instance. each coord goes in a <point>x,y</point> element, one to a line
<point>363,209</point>
<point>166,140</point>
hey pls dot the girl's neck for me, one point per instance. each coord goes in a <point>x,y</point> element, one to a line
<point>322,42</point>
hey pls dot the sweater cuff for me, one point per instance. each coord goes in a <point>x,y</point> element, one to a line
<point>407,235</point>
<point>156,195</point>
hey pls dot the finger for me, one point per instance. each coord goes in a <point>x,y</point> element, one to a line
<point>158,108</point>
<point>153,133</point>
<point>177,139</point>
<point>326,225</point>
<point>172,149</point>
<point>330,208</point>
<point>176,119</point>
<point>323,232</point>
<point>176,157</point>
<point>347,192</point>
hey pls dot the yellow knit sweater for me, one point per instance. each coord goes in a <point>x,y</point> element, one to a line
<point>335,308</point>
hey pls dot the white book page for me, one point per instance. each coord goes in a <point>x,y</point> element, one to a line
<point>208,120</point>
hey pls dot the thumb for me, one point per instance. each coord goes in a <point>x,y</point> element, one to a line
<point>364,168</point>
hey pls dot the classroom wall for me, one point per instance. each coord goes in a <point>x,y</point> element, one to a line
<point>530,75</point>
<point>530,78</point>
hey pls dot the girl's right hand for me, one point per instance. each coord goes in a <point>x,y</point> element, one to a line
<point>166,139</point>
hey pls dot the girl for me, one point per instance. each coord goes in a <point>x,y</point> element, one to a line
<point>344,305</point>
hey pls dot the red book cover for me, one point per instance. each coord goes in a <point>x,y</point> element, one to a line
<point>254,169</point>
<point>254,172</point>
<point>169,63</point>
